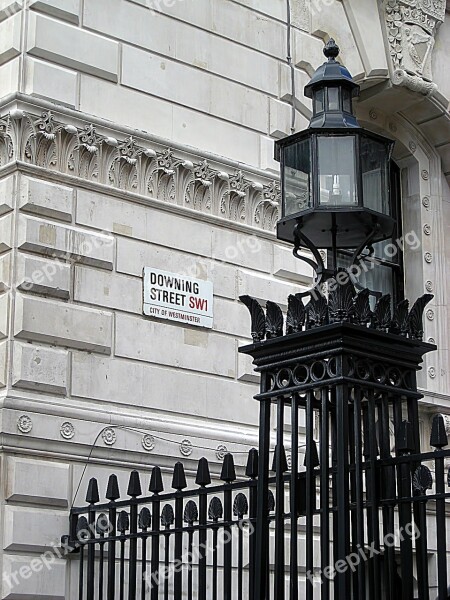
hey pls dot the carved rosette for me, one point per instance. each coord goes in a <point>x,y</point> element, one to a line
<point>411,28</point>
<point>109,436</point>
<point>24,424</point>
<point>148,442</point>
<point>221,451</point>
<point>128,164</point>
<point>186,447</point>
<point>67,430</point>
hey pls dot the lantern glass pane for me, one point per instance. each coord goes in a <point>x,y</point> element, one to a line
<point>297,177</point>
<point>319,101</point>
<point>337,170</point>
<point>347,100</point>
<point>375,175</point>
<point>333,98</point>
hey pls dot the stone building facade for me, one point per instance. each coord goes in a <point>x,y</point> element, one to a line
<point>137,133</point>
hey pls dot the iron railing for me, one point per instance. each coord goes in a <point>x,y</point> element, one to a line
<point>357,514</point>
<point>196,543</point>
<point>200,543</point>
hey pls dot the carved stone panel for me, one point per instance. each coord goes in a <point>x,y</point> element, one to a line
<point>411,28</point>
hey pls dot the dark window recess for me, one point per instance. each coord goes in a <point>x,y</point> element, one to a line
<point>383,270</point>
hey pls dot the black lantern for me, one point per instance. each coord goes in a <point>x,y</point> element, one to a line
<point>335,175</point>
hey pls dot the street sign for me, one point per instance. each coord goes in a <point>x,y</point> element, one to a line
<point>178,298</point>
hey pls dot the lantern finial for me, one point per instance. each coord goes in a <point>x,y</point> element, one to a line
<point>331,50</point>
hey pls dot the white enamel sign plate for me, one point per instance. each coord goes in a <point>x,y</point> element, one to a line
<point>178,298</point>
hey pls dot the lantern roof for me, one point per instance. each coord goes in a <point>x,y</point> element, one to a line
<point>331,72</point>
<point>332,90</point>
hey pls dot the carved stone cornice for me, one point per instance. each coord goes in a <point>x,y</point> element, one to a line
<point>411,30</point>
<point>86,151</point>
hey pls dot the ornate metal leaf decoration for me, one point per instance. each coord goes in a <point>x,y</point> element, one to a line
<point>240,506</point>
<point>361,308</point>
<point>258,317</point>
<point>340,303</point>
<point>316,311</point>
<point>82,529</point>
<point>382,316</point>
<point>274,320</point>
<point>296,315</point>
<point>123,521</point>
<point>215,511</point>
<point>167,516</point>
<point>415,319</point>
<point>271,501</point>
<point>400,321</point>
<point>422,480</point>
<point>145,518</point>
<point>102,525</point>
<point>190,513</point>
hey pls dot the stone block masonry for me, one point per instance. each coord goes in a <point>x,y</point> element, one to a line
<point>62,324</point>
<point>61,241</point>
<point>39,368</point>
<point>46,199</point>
<point>108,167</point>
<point>72,47</point>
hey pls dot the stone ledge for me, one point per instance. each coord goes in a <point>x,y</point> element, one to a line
<point>6,233</point>
<point>46,199</point>
<point>72,47</point>
<point>42,276</point>
<point>39,368</point>
<point>10,32</point>
<point>32,530</point>
<point>62,324</point>
<point>34,481</point>
<point>7,189</point>
<point>50,586</point>
<point>61,241</point>
<point>68,10</point>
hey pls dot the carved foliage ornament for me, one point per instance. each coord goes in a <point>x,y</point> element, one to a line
<point>161,172</point>
<point>411,27</point>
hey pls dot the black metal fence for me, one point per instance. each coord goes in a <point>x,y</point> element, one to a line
<point>189,544</point>
<point>201,543</point>
<point>367,522</point>
<point>358,513</point>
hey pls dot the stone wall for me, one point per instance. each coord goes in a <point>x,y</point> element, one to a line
<point>135,133</point>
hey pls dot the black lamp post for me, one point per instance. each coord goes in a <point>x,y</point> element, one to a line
<point>335,175</point>
<point>344,369</point>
